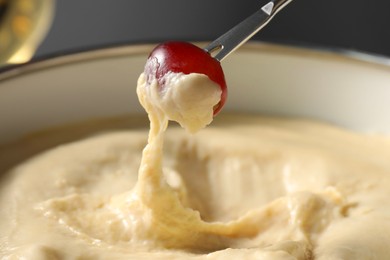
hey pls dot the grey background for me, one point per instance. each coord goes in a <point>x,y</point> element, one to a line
<point>361,25</point>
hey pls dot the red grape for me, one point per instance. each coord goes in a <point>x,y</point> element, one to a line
<point>186,58</point>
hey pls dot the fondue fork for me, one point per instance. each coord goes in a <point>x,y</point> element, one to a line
<point>238,35</point>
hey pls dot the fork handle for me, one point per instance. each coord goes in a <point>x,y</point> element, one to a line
<point>238,35</point>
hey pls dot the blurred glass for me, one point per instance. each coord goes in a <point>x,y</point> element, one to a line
<point>23,25</point>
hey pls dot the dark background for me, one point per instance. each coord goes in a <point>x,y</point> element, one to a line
<point>361,25</point>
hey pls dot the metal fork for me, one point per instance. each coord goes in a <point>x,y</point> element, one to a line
<point>238,35</point>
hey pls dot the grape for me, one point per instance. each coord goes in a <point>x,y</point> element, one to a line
<point>184,57</point>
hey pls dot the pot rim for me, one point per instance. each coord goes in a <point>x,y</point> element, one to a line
<point>62,59</point>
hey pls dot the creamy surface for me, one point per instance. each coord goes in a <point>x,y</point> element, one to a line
<point>247,187</point>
